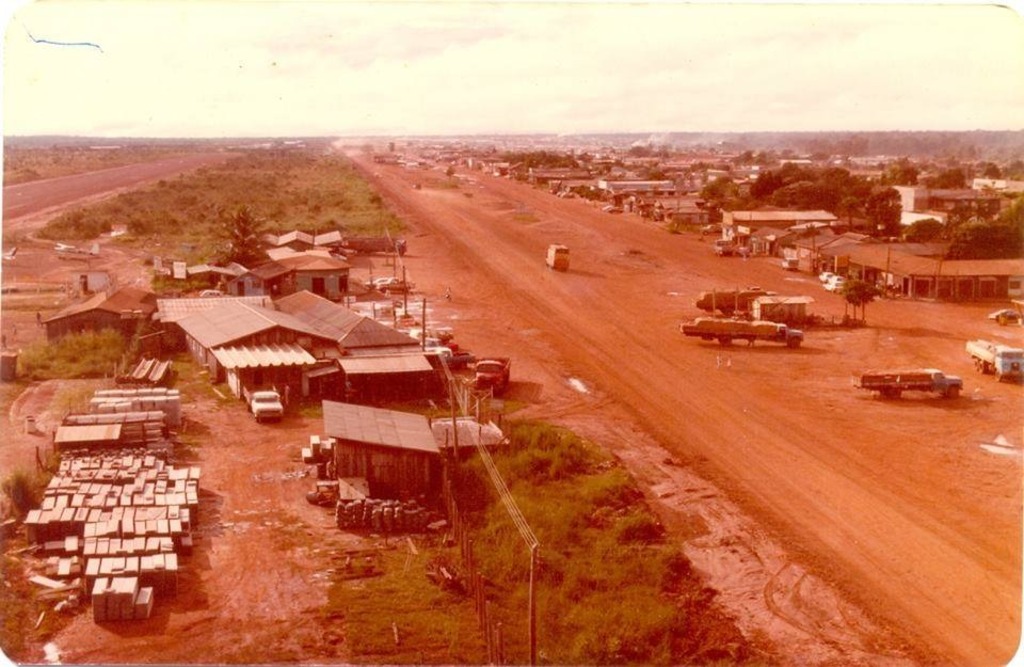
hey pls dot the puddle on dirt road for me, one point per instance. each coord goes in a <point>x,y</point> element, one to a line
<point>578,385</point>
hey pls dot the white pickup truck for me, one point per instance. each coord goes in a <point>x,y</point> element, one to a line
<point>264,404</point>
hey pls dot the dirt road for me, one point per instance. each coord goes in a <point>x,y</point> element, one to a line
<point>27,199</point>
<point>844,527</point>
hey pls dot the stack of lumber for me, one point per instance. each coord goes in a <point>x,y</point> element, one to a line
<point>148,371</point>
<point>157,399</point>
<point>157,571</point>
<point>120,599</point>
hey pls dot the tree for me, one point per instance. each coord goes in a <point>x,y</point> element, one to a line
<point>923,231</point>
<point>901,172</point>
<point>243,234</point>
<point>949,179</point>
<point>986,240</point>
<point>860,293</point>
<point>884,209</point>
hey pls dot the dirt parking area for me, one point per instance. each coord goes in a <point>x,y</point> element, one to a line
<point>836,527</point>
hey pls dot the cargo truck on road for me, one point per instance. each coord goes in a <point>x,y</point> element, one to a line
<point>892,384</point>
<point>1003,361</point>
<point>726,331</point>
<point>558,257</point>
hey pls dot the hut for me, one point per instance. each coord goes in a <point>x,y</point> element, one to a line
<point>395,452</point>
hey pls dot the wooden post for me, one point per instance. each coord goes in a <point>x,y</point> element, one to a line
<point>533,605</point>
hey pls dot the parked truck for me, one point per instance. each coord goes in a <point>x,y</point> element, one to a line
<point>493,373</point>
<point>730,301</point>
<point>264,404</point>
<point>558,257</point>
<point>892,384</point>
<point>1003,361</point>
<point>726,331</point>
<point>367,245</point>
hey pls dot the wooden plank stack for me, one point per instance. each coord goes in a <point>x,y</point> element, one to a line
<point>122,518</point>
<point>120,598</point>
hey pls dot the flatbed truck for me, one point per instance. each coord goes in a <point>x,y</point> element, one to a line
<point>725,331</point>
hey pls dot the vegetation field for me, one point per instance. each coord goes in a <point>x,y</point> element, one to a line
<point>283,189</point>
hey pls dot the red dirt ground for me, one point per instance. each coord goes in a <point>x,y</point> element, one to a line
<point>837,528</point>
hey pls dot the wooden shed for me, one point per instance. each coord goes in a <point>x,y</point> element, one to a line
<point>395,452</point>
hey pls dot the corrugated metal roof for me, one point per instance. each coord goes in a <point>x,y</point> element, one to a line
<point>263,356</point>
<point>91,433</point>
<point>124,299</point>
<point>374,426</point>
<point>392,363</point>
<point>341,324</point>
<point>172,310</point>
<point>781,216</point>
<point>233,321</point>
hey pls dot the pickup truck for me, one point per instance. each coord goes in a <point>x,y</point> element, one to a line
<point>892,384</point>
<point>264,404</point>
<point>726,331</point>
<point>990,358</point>
<point>493,373</point>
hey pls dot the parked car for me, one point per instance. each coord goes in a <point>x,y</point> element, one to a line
<point>835,284</point>
<point>207,293</point>
<point>612,209</point>
<point>826,276</point>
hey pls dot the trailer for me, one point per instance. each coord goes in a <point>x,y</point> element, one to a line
<point>726,331</point>
<point>1003,361</point>
<point>730,301</point>
<point>892,384</point>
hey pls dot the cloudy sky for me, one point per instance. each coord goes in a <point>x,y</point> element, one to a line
<point>259,68</point>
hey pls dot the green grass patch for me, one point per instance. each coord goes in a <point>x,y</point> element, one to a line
<point>610,590</point>
<point>85,355</point>
<point>434,626</point>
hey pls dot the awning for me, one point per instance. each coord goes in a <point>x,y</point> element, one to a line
<point>322,371</point>
<point>263,356</point>
<point>392,363</point>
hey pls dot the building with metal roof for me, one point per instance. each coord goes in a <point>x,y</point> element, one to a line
<point>395,452</point>
<point>352,331</point>
<point>125,310</point>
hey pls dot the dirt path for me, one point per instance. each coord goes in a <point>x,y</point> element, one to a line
<point>820,500</point>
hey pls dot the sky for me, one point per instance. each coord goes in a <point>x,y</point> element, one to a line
<point>213,68</point>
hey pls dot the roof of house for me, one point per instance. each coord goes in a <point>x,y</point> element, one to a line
<point>172,310</point>
<point>277,254</point>
<point>782,216</point>
<point>341,324</point>
<point>313,262</point>
<point>126,299</point>
<point>269,270</point>
<point>288,237</point>
<point>881,256</point>
<point>233,321</point>
<point>375,426</point>
<point>263,356</point>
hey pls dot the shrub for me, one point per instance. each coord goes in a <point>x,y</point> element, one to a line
<point>85,355</point>
<point>23,491</point>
